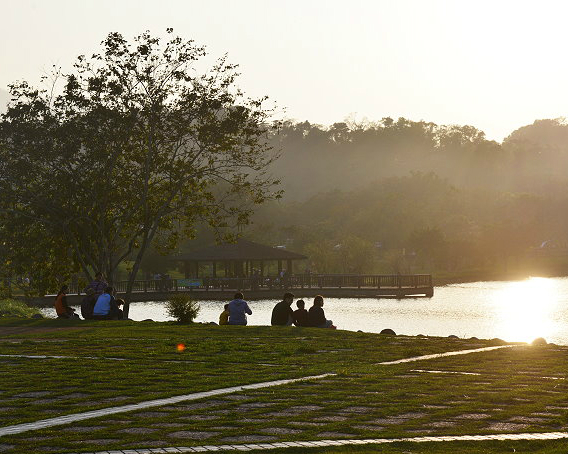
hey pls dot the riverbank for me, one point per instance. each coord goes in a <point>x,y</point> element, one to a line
<point>86,366</point>
<point>442,279</point>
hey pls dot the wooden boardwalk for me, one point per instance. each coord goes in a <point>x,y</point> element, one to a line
<point>303,285</point>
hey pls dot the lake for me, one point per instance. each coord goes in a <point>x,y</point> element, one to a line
<point>509,310</point>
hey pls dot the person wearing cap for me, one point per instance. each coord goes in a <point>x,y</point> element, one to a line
<point>282,314</point>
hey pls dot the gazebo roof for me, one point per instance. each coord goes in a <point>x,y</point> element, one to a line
<point>241,250</point>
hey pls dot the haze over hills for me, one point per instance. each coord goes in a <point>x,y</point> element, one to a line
<point>348,157</point>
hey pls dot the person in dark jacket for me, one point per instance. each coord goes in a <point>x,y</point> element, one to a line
<point>88,304</point>
<point>116,313</point>
<point>301,316</point>
<point>282,314</point>
<point>316,314</point>
<point>238,310</point>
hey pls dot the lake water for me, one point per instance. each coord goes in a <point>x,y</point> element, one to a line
<point>510,310</point>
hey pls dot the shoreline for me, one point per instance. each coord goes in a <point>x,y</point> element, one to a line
<point>442,281</point>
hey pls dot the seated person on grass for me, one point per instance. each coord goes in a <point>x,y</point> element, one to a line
<point>61,307</point>
<point>224,317</point>
<point>317,316</point>
<point>115,311</point>
<point>88,304</point>
<point>301,317</point>
<point>106,308</point>
<point>238,310</point>
<point>282,314</point>
<point>98,284</point>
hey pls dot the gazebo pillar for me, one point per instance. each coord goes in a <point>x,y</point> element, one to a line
<point>289,267</point>
<point>214,268</point>
<point>262,268</point>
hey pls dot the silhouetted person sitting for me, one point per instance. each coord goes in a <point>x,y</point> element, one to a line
<point>282,314</point>
<point>104,304</point>
<point>116,313</point>
<point>224,317</point>
<point>61,307</point>
<point>238,308</point>
<point>301,316</point>
<point>88,304</point>
<point>317,316</point>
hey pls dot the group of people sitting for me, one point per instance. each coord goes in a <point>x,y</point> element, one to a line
<point>235,313</point>
<point>99,302</point>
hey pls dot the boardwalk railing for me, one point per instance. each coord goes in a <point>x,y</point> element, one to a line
<point>298,281</point>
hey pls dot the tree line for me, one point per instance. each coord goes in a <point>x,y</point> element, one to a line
<point>135,152</point>
<point>349,155</point>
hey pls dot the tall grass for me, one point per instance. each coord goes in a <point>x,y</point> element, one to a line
<point>14,308</point>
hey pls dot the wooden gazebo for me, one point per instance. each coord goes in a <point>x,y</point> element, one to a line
<point>237,259</point>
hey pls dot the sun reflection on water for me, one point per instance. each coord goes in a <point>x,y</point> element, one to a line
<point>524,310</point>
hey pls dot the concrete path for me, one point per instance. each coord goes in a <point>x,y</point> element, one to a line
<point>442,355</point>
<point>68,419</point>
<point>325,443</point>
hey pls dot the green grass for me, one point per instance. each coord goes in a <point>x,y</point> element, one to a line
<point>14,308</point>
<point>364,399</point>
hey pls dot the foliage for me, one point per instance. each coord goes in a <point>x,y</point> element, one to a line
<point>350,155</point>
<point>421,223</point>
<point>15,308</point>
<point>134,150</point>
<point>182,308</point>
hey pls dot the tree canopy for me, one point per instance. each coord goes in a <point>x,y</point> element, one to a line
<point>132,148</point>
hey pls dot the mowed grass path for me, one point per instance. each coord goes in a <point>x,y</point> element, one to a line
<point>521,389</point>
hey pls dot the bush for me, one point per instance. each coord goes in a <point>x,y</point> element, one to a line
<point>182,308</point>
<point>15,308</point>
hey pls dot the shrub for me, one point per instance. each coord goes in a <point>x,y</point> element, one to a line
<point>15,308</point>
<point>182,308</point>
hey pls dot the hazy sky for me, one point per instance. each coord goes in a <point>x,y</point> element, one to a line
<point>494,64</point>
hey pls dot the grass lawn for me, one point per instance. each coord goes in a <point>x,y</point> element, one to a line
<point>107,364</point>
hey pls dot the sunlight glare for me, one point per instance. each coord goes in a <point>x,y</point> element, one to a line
<point>524,309</point>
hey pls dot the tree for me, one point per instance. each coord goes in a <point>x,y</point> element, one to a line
<point>134,150</point>
<point>356,255</point>
<point>429,243</point>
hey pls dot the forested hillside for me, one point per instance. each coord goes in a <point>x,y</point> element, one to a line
<point>398,196</point>
<point>348,156</point>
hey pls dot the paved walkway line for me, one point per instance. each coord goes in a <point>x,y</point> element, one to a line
<point>67,419</point>
<point>324,443</point>
<point>61,357</point>
<point>424,371</point>
<point>441,355</point>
